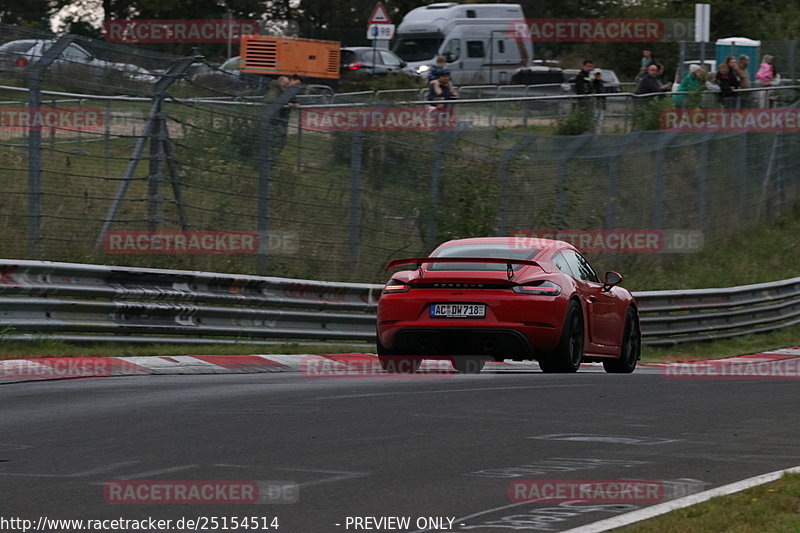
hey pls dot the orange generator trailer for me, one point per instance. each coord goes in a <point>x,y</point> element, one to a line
<point>315,60</point>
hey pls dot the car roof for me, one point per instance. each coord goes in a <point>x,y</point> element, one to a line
<point>512,241</point>
<point>364,48</point>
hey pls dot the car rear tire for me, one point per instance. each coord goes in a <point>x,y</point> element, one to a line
<point>631,349</point>
<point>468,365</point>
<point>567,357</point>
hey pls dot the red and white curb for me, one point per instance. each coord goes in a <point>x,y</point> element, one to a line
<point>333,365</point>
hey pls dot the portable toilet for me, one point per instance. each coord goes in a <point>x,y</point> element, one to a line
<point>736,46</point>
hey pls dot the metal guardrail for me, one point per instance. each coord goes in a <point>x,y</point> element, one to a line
<point>79,302</point>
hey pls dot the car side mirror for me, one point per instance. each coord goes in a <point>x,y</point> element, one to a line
<point>612,279</point>
<point>449,57</point>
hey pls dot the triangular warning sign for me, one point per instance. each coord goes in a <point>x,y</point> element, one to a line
<point>379,15</point>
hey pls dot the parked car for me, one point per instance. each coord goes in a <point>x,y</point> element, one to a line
<point>16,56</point>
<point>493,298</point>
<point>368,61</point>
<point>609,77</point>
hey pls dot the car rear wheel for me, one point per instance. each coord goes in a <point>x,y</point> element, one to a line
<point>631,348</point>
<point>468,365</point>
<point>568,355</point>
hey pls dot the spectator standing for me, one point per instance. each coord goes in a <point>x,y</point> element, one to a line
<point>728,82</point>
<point>742,70</point>
<point>583,80</point>
<point>647,59</point>
<point>692,83</point>
<point>279,123</point>
<point>765,77</point>
<point>442,88</point>
<point>650,82</point>
<point>599,87</point>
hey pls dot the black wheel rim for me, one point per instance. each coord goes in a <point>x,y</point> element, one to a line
<point>576,339</point>
<point>631,342</point>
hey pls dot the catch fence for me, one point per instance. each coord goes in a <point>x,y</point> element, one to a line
<point>181,170</point>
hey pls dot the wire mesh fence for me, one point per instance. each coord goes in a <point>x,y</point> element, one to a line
<point>185,173</point>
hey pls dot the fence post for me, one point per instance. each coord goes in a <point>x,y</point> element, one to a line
<point>267,153</point>
<point>661,155</point>
<point>743,174</point>
<point>356,158</point>
<point>155,177</point>
<point>505,162</point>
<point>613,178</point>
<point>159,92</point>
<point>702,182</point>
<point>439,148</point>
<point>35,77</point>
<point>561,187</point>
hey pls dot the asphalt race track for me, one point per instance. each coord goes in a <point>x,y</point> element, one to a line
<point>428,447</point>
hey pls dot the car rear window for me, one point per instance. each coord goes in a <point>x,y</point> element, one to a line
<point>16,46</point>
<point>500,251</point>
<point>347,57</point>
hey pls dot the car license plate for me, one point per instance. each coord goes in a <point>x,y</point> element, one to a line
<point>458,310</point>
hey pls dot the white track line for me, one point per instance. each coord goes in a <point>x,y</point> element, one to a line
<point>666,507</point>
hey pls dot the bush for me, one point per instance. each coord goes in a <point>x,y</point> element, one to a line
<point>580,120</point>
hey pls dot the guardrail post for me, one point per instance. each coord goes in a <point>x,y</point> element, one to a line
<point>505,161</point>
<point>35,77</point>
<point>356,155</point>
<point>442,144</point>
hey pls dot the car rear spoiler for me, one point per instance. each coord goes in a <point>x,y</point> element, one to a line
<point>419,261</point>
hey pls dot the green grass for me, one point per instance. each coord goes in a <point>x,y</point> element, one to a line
<point>769,508</point>
<point>747,344</point>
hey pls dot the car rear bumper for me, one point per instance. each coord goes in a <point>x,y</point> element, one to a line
<point>499,342</point>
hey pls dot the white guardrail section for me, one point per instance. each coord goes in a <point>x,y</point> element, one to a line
<point>79,302</point>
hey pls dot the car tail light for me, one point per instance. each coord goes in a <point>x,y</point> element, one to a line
<point>21,62</point>
<point>394,286</point>
<point>542,288</point>
<point>353,66</point>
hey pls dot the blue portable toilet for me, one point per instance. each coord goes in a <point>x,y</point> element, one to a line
<point>736,46</point>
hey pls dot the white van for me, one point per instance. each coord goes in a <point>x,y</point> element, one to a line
<point>477,40</point>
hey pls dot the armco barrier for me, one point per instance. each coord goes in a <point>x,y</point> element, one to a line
<point>75,302</point>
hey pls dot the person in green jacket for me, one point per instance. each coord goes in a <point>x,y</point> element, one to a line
<point>692,83</point>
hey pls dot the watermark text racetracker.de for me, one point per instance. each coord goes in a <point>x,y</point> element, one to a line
<point>198,242</point>
<point>594,490</point>
<point>367,366</point>
<point>178,31</point>
<point>75,119</point>
<point>617,241</point>
<point>747,369</point>
<point>731,120</point>
<point>378,119</point>
<point>201,492</point>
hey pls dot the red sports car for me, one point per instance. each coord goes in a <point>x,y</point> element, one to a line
<point>496,298</point>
